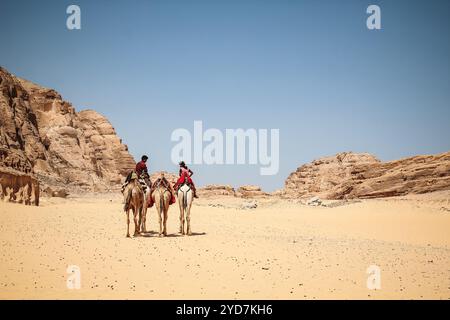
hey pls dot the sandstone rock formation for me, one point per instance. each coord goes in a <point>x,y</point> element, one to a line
<point>250,192</point>
<point>350,175</point>
<point>42,134</point>
<point>211,191</point>
<point>18,187</point>
<point>247,192</point>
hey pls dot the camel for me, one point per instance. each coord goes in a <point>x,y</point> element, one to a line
<point>161,197</point>
<point>143,216</point>
<point>134,200</point>
<point>185,198</point>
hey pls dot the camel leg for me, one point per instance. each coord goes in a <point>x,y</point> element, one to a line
<point>165,209</point>
<point>160,221</point>
<point>181,216</point>
<point>182,221</point>
<point>188,220</point>
<point>128,223</point>
<point>136,225</point>
<point>140,219</point>
<point>165,221</point>
<point>144,219</point>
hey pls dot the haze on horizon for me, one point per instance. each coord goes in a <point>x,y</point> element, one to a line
<point>311,69</point>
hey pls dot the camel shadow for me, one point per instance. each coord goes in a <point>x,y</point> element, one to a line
<point>154,234</point>
<point>149,234</point>
<point>179,235</point>
<point>195,234</point>
<point>173,235</point>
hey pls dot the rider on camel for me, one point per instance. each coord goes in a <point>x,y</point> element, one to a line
<point>185,174</point>
<point>142,170</point>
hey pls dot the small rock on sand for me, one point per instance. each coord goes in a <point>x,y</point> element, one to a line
<point>249,205</point>
<point>315,201</point>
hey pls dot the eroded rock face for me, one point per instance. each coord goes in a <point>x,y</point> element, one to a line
<point>42,134</point>
<point>18,187</point>
<point>247,192</point>
<point>250,192</point>
<point>211,191</point>
<point>350,175</point>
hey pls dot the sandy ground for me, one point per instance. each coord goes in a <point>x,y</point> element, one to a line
<point>281,250</point>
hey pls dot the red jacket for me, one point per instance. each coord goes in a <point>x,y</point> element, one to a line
<point>141,167</point>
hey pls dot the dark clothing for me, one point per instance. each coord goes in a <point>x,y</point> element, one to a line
<point>141,168</point>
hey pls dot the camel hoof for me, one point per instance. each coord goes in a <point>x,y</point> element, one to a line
<point>128,236</point>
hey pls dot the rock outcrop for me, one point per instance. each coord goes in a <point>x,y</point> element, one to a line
<point>43,135</point>
<point>18,187</point>
<point>211,191</point>
<point>350,175</point>
<point>250,192</point>
<point>247,192</point>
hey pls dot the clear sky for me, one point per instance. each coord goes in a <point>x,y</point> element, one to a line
<point>309,68</point>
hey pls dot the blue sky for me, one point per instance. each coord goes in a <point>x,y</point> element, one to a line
<point>309,68</point>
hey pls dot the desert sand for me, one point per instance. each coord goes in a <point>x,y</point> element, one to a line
<point>280,250</point>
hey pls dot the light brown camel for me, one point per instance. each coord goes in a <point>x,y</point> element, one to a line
<point>143,216</point>
<point>134,200</point>
<point>161,197</point>
<point>185,198</point>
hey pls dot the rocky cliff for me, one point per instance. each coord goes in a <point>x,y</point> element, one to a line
<point>350,175</point>
<point>43,135</point>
